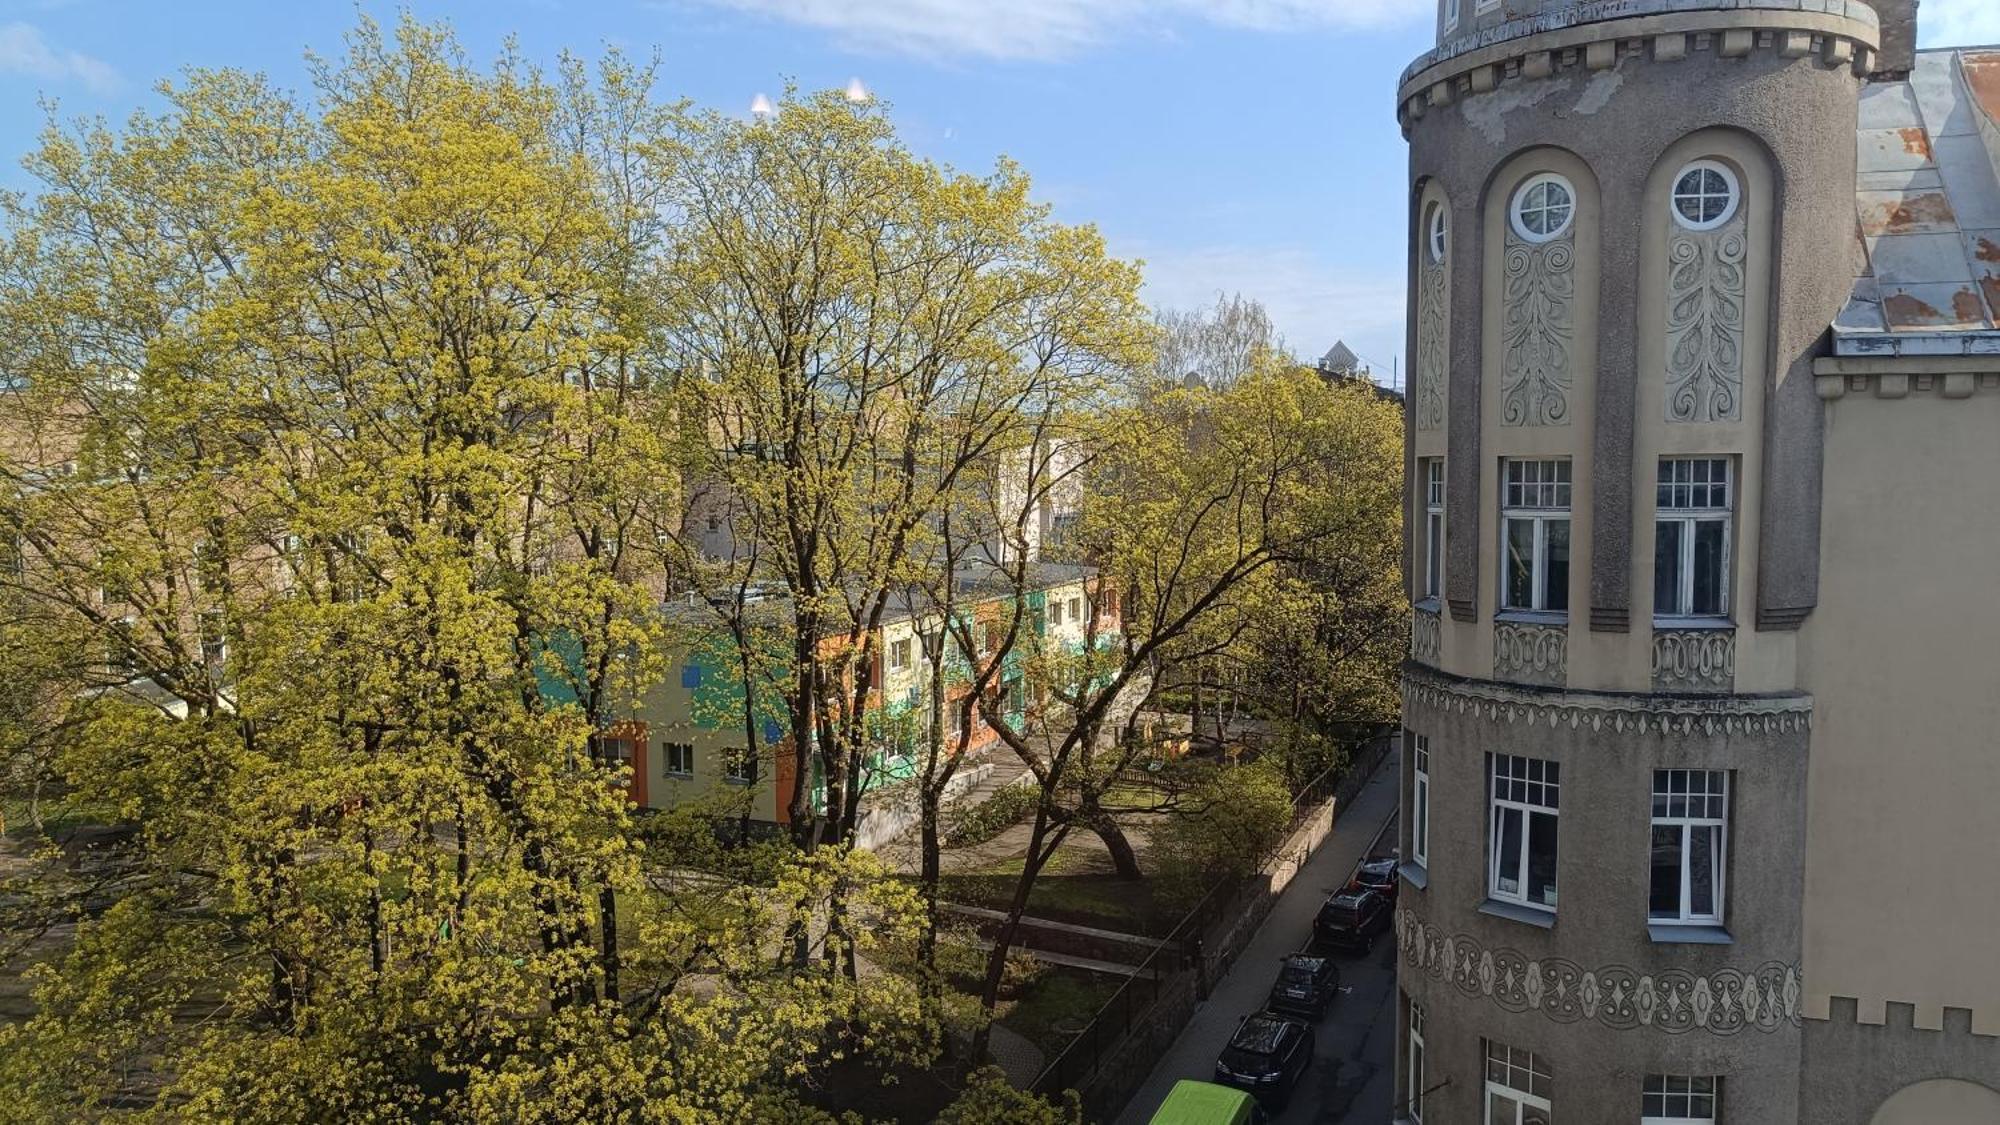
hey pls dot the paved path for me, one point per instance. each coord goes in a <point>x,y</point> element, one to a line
<point>1350,1079</point>
<point>1013,1053</point>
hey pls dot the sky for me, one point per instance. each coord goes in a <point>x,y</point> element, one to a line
<point>1234,146</point>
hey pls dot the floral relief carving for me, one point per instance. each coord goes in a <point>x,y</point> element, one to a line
<point>1538,327</point>
<point>1705,297</point>
<point>1694,659</point>
<point>1432,334</point>
<point>1424,640</point>
<point>1530,653</point>
<point>1723,1002</point>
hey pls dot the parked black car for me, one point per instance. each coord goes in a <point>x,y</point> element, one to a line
<point>1267,1056</point>
<point>1351,920</point>
<point>1379,875</point>
<point>1305,985</point>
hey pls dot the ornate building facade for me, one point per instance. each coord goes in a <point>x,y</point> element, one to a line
<point>1702,716</point>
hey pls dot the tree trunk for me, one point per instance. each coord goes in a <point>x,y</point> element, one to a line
<point>1124,860</point>
<point>929,871</point>
<point>607,907</point>
<point>1040,848</point>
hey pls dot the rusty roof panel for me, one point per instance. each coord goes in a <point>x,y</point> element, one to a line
<point>1956,307</point>
<point>1904,212</point>
<point>1892,150</point>
<point>1982,80</point>
<point>1927,201</point>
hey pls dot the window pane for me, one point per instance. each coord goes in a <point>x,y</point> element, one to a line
<point>1434,552</point>
<point>1542,859</point>
<point>1420,822</point>
<point>1520,563</point>
<point>1667,567</point>
<point>1708,551</point>
<point>1501,1109</point>
<point>1507,851</point>
<point>1702,857</point>
<point>1664,899</point>
<point>1555,577</point>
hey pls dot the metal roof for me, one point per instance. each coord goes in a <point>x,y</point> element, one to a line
<point>1927,211</point>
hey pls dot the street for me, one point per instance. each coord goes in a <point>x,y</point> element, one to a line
<point>1350,1078</point>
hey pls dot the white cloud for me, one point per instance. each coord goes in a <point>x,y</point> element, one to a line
<point>24,51</point>
<point>1049,29</point>
<point>1312,302</point>
<point>1958,23</point>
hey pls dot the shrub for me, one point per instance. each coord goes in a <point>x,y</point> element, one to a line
<point>979,823</point>
<point>1234,820</point>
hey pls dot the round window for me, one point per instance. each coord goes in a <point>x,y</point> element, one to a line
<point>1543,208</point>
<point>1705,195</point>
<point>1435,233</point>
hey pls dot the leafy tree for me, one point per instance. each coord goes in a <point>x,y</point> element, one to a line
<point>335,445</point>
<point>989,1100</point>
<point>1225,828</point>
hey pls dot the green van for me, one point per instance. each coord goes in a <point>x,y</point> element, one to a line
<point>1205,1103</point>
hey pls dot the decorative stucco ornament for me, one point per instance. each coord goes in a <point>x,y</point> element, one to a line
<point>1538,331</point>
<point>1705,296</point>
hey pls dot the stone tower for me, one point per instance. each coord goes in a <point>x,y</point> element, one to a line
<point>1635,272</point>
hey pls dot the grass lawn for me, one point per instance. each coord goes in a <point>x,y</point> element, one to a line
<point>1065,893</point>
<point>1053,1007</point>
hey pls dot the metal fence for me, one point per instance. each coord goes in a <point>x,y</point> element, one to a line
<point>1143,1017</point>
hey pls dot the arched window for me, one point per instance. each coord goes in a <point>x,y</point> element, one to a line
<point>1543,208</point>
<point>1434,233</point>
<point>1705,195</point>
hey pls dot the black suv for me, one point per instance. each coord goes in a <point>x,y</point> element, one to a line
<point>1351,919</point>
<point>1306,985</point>
<point>1267,1056</point>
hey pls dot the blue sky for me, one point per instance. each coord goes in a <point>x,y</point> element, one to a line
<point>1234,145</point>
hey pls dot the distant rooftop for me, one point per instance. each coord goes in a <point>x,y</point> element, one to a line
<point>1927,205</point>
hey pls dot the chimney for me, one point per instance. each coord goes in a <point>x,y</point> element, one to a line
<point>1899,39</point>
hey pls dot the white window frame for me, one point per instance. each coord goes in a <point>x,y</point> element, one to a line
<point>1075,610</point>
<point>1660,1086</point>
<point>1545,499</point>
<point>1450,15</point>
<point>899,654</point>
<point>1733,193</point>
<point>1436,231</point>
<point>667,755</point>
<point>1516,1065</point>
<point>1433,527</point>
<point>1413,1104</point>
<point>1528,787</point>
<point>1689,518</point>
<point>1420,800</point>
<point>1670,785</point>
<point>1055,611</point>
<point>739,767</point>
<point>1516,214</point>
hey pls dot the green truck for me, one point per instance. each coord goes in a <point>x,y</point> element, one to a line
<point>1205,1103</point>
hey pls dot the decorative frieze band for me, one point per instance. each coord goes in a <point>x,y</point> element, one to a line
<point>1724,1002</point>
<point>1530,653</point>
<point>1619,714</point>
<point>1424,640</point>
<point>1694,659</point>
<point>1538,330</point>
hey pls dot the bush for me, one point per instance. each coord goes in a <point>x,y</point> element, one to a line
<point>989,1100</point>
<point>981,822</point>
<point>1234,820</point>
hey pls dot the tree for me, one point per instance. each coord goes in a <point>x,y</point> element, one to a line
<point>334,452</point>
<point>1196,497</point>
<point>1217,345</point>
<point>874,335</point>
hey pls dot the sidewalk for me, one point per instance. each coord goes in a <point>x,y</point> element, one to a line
<point>1287,929</point>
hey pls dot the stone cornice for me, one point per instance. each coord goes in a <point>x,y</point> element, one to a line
<point>1618,712</point>
<point>1902,376</point>
<point>1596,36</point>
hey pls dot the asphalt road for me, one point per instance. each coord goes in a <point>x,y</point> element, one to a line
<point>1351,1077</point>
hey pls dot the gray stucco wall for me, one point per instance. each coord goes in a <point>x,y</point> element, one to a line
<point>1852,1068</point>
<point>1600,927</point>
<point>1619,121</point>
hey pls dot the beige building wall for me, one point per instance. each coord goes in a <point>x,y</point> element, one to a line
<point>1902,870</point>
